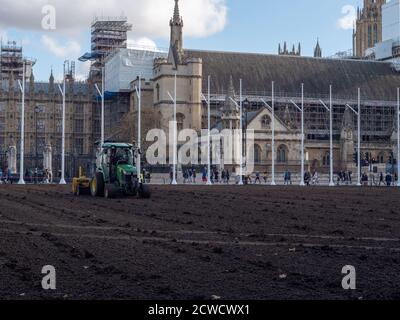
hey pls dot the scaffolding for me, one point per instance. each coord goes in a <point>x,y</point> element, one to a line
<point>376,116</point>
<point>12,61</point>
<point>108,34</point>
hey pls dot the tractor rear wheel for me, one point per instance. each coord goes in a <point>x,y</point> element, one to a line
<point>110,191</point>
<point>144,191</point>
<point>97,185</point>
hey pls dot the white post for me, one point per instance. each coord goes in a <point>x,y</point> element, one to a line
<point>359,138</point>
<point>331,183</point>
<point>398,137</point>
<point>139,142</point>
<point>174,182</point>
<point>302,136</point>
<point>209,133</point>
<point>102,105</point>
<point>241,137</point>
<point>22,87</point>
<point>62,181</point>
<point>273,183</point>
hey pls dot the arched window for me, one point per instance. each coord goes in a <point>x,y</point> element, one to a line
<point>381,158</point>
<point>257,154</point>
<point>326,161</point>
<point>282,156</point>
<point>266,122</point>
<point>180,119</point>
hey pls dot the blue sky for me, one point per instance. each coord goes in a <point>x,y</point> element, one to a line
<point>230,25</point>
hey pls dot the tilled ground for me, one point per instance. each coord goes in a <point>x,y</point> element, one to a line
<point>194,242</point>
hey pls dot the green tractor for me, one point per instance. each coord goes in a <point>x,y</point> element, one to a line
<point>116,173</point>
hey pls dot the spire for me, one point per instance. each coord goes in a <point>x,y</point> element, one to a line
<point>176,54</point>
<point>279,49</point>
<point>317,50</point>
<point>177,17</point>
<point>229,107</point>
<point>51,76</point>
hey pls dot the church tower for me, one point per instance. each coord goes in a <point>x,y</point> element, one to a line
<point>368,29</point>
<point>188,73</point>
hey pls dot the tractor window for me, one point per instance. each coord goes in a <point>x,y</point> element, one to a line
<point>124,156</point>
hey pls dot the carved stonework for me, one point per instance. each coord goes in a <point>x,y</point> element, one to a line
<point>12,159</point>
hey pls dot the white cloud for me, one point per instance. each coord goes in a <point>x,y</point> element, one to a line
<point>142,43</point>
<point>349,13</point>
<point>150,18</point>
<point>71,49</point>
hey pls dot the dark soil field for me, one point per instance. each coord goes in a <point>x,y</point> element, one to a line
<point>194,242</point>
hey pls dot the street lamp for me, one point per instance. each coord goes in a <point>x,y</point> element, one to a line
<point>173,99</point>
<point>240,106</point>
<point>301,109</point>
<point>22,88</point>
<point>63,94</point>
<point>358,113</point>
<point>208,100</point>
<point>330,110</point>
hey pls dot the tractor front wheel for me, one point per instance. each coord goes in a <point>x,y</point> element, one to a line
<point>110,191</point>
<point>97,185</point>
<point>144,191</point>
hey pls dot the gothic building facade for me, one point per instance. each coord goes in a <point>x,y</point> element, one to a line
<point>43,124</point>
<point>377,81</point>
<point>368,27</point>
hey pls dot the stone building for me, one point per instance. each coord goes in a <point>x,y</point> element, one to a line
<point>43,123</point>
<point>378,82</point>
<point>368,28</point>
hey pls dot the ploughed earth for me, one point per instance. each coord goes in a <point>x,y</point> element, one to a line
<point>198,242</point>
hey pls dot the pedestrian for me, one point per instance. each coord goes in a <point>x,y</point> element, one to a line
<point>381,179</point>
<point>307,178</point>
<point>265,177</point>
<point>171,175</point>
<point>216,176</point>
<point>190,176</point>
<point>194,176</point>
<point>286,177</point>
<point>228,176</point>
<point>388,180</point>
<point>258,178</point>
<point>204,175</point>
<point>364,179</point>
<point>223,176</point>
<point>315,179</point>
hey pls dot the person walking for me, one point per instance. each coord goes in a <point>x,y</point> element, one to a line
<point>265,177</point>
<point>223,176</point>
<point>258,178</point>
<point>381,179</point>
<point>228,176</point>
<point>315,178</point>
<point>194,176</point>
<point>204,175</point>
<point>286,177</point>
<point>388,180</point>
<point>171,176</point>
